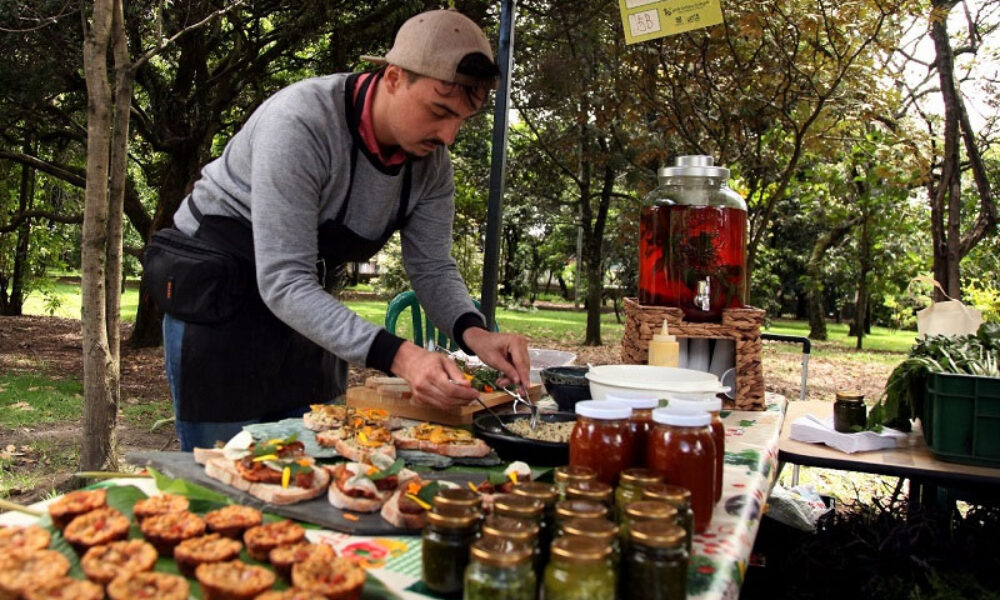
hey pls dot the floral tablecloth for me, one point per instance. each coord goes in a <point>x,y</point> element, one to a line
<point>720,555</point>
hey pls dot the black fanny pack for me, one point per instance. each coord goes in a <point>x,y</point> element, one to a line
<point>194,281</point>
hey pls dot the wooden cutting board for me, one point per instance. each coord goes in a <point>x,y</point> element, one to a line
<point>393,394</point>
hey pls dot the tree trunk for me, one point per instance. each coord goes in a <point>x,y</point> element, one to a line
<point>813,277</point>
<point>15,302</point>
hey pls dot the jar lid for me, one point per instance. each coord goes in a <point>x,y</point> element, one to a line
<point>513,505</point>
<point>459,497</point>
<point>601,529</point>
<point>642,510</point>
<point>579,549</point>
<point>568,473</point>
<point>850,396</point>
<point>546,492</point>
<point>694,166</point>
<point>453,520</point>
<point>521,530</point>
<point>635,403</point>
<point>639,476</point>
<point>657,534</point>
<point>691,403</point>
<point>584,509</point>
<point>500,552</point>
<point>595,490</point>
<point>605,410</point>
<point>668,493</point>
<point>681,419</point>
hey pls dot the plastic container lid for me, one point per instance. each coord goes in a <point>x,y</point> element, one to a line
<point>654,378</point>
<point>606,410</point>
<point>688,405</point>
<point>681,419</point>
<point>633,403</point>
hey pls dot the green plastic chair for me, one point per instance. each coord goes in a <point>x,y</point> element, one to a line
<point>423,330</point>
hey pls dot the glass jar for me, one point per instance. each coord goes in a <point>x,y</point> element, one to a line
<point>682,451</point>
<point>547,494</point>
<point>640,423</point>
<point>655,563</point>
<point>849,412</point>
<point>713,406</point>
<point>580,569</point>
<point>646,510</point>
<point>568,474</point>
<point>599,529</point>
<point>529,509</point>
<point>499,569</point>
<point>596,491</point>
<point>445,550</point>
<point>602,439</point>
<point>521,531</point>
<point>452,500</point>
<point>630,487</point>
<point>578,509</point>
<point>704,246</point>
<point>679,498</point>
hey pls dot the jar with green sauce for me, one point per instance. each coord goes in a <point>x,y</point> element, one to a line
<point>517,506</point>
<point>521,531</point>
<point>580,569</point>
<point>445,550</point>
<point>597,491</point>
<point>569,474</point>
<point>630,486</point>
<point>548,495</point>
<point>499,569</point>
<point>599,529</point>
<point>646,510</point>
<point>655,563</point>
<point>849,412</point>
<point>679,498</point>
<point>578,509</point>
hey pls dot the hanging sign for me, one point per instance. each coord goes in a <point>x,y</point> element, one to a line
<point>650,19</point>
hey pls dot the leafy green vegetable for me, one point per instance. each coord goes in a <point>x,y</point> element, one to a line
<point>428,492</point>
<point>393,469</point>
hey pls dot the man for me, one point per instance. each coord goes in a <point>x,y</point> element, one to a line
<point>322,174</point>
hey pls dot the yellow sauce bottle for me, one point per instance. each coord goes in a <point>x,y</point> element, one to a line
<point>664,350</point>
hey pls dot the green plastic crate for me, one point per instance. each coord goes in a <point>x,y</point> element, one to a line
<point>961,418</point>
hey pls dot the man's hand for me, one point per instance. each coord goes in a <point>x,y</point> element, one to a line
<point>506,352</point>
<point>435,380</point>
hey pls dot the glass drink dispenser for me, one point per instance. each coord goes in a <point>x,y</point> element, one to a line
<point>692,241</point>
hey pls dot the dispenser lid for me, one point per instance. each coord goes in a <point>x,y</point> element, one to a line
<point>697,165</point>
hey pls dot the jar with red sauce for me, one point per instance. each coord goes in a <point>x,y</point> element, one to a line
<point>641,423</point>
<point>682,450</point>
<point>602,439</point>
<point>713,406</point>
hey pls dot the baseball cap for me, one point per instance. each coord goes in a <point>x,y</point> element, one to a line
<point>433,44</point>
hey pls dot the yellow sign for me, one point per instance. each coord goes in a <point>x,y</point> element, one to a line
<point>650,19</point>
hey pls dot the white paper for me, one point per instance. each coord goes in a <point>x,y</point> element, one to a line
<point>813,430</point>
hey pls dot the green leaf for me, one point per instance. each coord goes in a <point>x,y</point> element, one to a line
<point>428,492</point>
<point>193,491</point>
<point>395,468</point>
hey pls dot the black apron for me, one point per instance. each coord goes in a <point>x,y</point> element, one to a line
<point>255,364</point>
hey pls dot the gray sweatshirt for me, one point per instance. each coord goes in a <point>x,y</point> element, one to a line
<point>287,171</point>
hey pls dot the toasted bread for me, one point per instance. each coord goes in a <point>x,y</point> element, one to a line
<point>225,471</point>
<point>438,439</point>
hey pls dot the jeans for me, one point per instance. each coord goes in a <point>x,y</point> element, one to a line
<point>202,434</point>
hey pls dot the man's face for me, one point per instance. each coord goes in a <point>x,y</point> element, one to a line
<point>425,113</point>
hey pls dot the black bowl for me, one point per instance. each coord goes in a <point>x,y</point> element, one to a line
<point>567,385</point>
<point>513,447</point>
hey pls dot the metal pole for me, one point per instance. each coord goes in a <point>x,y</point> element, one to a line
<point>498,164</point>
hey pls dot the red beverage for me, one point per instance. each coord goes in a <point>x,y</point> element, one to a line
<point>706,243</point>
<point>654,231</point>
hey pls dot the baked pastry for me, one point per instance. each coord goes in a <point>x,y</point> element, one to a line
<point>205,549</point>
<point>283,557</point>
<point>23,570</point>
<point>336,578</point>
<point>262,539</point>
<point>291,594</point>
<point>233,580</point>
<point>101,526</point>
<point>169,529</point>
<point>29,537</point>
<point>233,520</point>
<point>158,505</point>
<point>65,588</point>
<point>103,563</point>
<point>161,586</point>
<point>74,504</point>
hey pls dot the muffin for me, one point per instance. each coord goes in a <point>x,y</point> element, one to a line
<point>169,529</point>
<point>101,526</point>
<point>205,549</point>
<point>158,505</point>
<point>291,594</point>
<point>262,539</point>
<point>30,537</point>
<point>233,580</point>
<point>161,586</point>
<point>103,563</point>
<point>65,588</point>
<point>74,504</point>
<point>283,557</point>
<point>232,521</point>
<point>24,570</point>
<point>336,578</point>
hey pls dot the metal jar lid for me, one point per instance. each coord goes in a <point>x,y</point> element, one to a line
<point>639,476</point>
<point>578,549</point>
<point>642,510</point>
<point>453,520</point>
<point>672,494</point>
<point>598,491</point>
<point>697,165</point>
<point>519,530</point>
<point>569,473</point>
<point>656,534</point>
<point>521,507</point>
<point>584,509</point>
<point>459,498</point>
<point>601,529</point>
<point>546,492</point>
<point>500,552</point>
<point>850,396</point>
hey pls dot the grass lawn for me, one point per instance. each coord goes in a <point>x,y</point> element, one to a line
<point>64,300</point>
<point>880,340</point>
